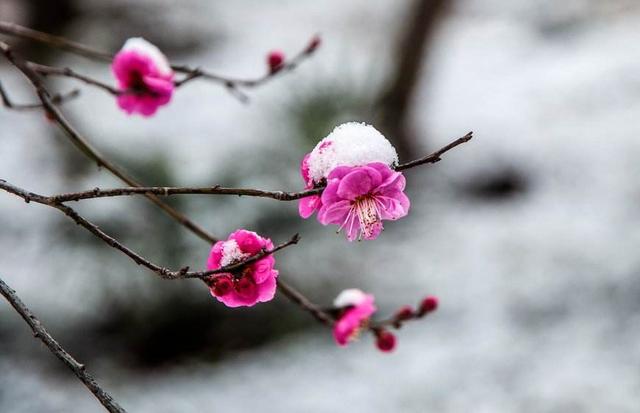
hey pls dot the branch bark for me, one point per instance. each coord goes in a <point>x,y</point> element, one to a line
<point>41,333</point>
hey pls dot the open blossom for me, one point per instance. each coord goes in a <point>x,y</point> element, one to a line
<point>250,284</point>
<point>355,163</point>
<point>144,77</point>
<point>357,309</point>
<point>349,144</point>
<point>359,198</point>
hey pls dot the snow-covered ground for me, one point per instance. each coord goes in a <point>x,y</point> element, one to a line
<point>540,290</point>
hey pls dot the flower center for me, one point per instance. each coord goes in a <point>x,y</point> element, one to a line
<point>368,213</point>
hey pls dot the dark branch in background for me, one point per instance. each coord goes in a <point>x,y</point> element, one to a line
<point>41,333</point>
<point>218,190</point>
<point>137,258</point>
<point>56,99</point>
<point>395,101</point>
<point>233,85</point>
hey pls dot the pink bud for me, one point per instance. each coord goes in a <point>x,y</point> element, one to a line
<point>404,313</point>
<point>314,43</point>
<point>428,305</point>
<point>275,60</point>
<point>386,341</point>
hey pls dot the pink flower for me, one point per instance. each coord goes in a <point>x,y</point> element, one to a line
<point>358,308</point>
<point>251,284</point>
<point>307,206</point>
<point>144,77</point>
<point>359,198</point>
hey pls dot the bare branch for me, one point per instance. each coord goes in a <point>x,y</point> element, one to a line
<point>435,157</point>
<point>45,70</point>
<point>13,29</point>
<point>137,258</point>
<point>231,84</point>
<point>219,190</point>
<point>56,99</point>
<point>41,333</point>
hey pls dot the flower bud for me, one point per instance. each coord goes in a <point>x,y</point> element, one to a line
<point>385,341</point>
<point>275,60</point>
<point>428,305</point>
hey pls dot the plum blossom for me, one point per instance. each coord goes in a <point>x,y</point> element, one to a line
<point>349,144</point>
<point>359,198</point>
<point>357,307</point>
<point>144,77</point>
<point>251,284</point>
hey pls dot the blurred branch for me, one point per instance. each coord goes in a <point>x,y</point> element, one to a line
<point>45,70</point>
<point>41,333</point>
<point>137,258</point>
<point>56,99</point>
<point>218,190</point>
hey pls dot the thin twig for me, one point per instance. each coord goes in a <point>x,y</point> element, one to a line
<point>137,258</point>
<point>219,190</point>
<point>45,70</point>
<point>13,29</point>
<point>435,157</point>
<point>41,333</point>
<point>231,84</point>
<point>56,99</point>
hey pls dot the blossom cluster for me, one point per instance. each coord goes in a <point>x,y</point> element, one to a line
<point>353,166</point>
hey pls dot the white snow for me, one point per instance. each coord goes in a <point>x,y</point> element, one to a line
<point>350,144</point>
<point>142,46</point>
<point>231,253</point>
<point>351,296</point>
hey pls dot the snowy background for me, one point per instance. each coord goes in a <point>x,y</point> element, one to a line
<point>528,233</point>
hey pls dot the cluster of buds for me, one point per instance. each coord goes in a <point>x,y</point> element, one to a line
<point>354,309</point>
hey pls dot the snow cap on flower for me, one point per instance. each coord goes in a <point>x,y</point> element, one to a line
<point>144,76</point>
<point>349,297</point>
<point>144,47</point>
<point>358,308</point>
<point>350,144</point>
<point>250,284</point>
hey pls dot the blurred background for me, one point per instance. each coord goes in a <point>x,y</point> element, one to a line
<point>528,234</point>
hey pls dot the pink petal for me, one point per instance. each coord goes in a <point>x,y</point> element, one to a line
<point>358,182</point>
<point>334,213</point>
<point>307,206</point>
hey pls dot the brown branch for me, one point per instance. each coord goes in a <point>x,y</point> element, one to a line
<point>435,157</point>
<point>41,333</point>
<point>16,30</point>
<point>45,70</point>
<point>137,258</point>
<point>218,190</point>
<point>232,84</point>
<point>56,99</point>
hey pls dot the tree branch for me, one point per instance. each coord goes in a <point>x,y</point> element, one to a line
<point>218,190</point>
<point>41,333</point>
<point>137,258</point>
<point>232,84</point>
<point>56,99</point>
